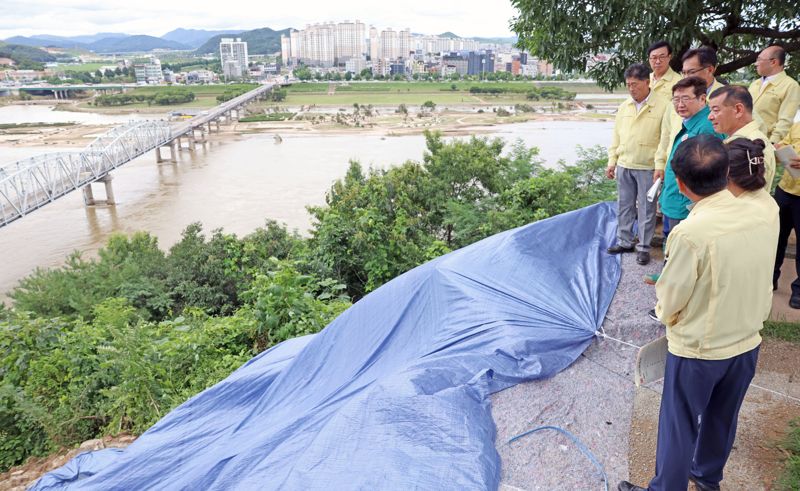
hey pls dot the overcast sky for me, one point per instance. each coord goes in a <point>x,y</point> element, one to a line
<point>466,18</point>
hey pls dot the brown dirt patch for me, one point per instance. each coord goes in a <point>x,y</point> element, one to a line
<point>20,477</point>
<point>756,460</point>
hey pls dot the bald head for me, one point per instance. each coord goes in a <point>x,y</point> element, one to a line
<point>770,61</point>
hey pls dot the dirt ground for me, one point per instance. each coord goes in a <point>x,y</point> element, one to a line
<point>20,477</point>
<point>756,460</point>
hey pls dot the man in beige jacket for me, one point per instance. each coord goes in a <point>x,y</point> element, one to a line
<point>776,96</point>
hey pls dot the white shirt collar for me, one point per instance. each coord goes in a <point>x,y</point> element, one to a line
<point>640,104</point>
<point>765,80</point>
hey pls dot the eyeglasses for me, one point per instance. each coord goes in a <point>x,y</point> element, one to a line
<point>658,57</point>
<point>682,100</point>
<point>764,59</point>
<point>687,73</point>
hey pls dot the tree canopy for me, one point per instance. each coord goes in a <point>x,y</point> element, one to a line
<point>569,33</point>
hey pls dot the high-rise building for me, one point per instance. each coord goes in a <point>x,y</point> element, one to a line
<point>286,49</point>
<point>233,57</point>
<point>374,44</point>
<point>403,43</point>
<point>349,41</point>
<point>390,44</point>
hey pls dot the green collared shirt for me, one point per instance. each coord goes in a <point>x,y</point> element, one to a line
<point>673,203</point>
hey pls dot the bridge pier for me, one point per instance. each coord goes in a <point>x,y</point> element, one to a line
<point>189,137</point>
<point>88,193</point>
<point>172,153</point>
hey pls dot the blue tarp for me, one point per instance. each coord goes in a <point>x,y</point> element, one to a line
<point>393,394</point>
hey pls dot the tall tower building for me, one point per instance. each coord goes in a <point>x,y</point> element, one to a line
<point>403,43</point>
<point>389,44</point>
<point>349,41</point>
<point>233,57</point>
<point>286,49</point>
<point>374,44</point>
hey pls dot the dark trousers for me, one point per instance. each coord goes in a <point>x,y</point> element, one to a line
<point>697,422</point>
<point>789,206</point>
<point>668,225</point>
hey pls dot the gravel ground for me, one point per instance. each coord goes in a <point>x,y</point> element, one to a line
<point>595,399</point>
<point>592,399</point>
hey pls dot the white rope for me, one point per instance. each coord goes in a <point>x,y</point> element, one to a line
<point>795,399</point>
<point>600,333</point>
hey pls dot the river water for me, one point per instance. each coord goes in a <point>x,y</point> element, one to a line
<point>235,183</point>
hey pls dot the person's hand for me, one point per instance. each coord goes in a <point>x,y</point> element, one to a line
<point>795,163</point>
<point>611,171</point>
<point>658,174</point>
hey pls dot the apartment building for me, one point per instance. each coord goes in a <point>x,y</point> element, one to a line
<point>233,57</point>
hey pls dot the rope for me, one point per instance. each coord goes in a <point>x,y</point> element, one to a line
<point>600,333</point>
<point>577,443</point>
<point>795,399</point>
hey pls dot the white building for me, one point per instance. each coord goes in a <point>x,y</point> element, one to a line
<point>349,41</point>
<point>374,44</point>
<point>233,57</point>
<point>149,73</point>
<point>355,65</point>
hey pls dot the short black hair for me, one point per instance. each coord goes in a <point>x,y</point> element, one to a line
<point>735,94</point>
<point>706,55</point>
<point>701,163</point>
<point>747,163</point>
<point>639,71</point>
<point>659,44</point>
<point>697,84</point>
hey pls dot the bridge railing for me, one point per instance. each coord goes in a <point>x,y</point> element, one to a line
<point>31,183</point>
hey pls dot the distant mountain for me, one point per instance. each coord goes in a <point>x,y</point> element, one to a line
<point>46,41</point>
<point>508,40</point>
<point>19,53</point>
<point>259,41</point>
<point>88,39</point>
<point>448,34</point>
<point>134,43</point>
<point>195,37</point>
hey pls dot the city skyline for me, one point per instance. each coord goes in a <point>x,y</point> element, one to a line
<point>83,17</point>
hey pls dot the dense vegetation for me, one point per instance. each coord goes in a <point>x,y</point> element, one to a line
<point>112,344</point>
<point>261,41</point>
<point>571,33</point>
<point>26,57</point>
<point>161,98</point>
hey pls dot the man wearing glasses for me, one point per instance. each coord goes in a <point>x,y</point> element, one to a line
<point>776,96</point>
<point>689,101</point>
<point>663,77</point>
<point>700,63</point>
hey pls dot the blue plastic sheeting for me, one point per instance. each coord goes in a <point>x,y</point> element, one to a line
<point>394,393</point>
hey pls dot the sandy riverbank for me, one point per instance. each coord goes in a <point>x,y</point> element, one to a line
<point>451,123</point>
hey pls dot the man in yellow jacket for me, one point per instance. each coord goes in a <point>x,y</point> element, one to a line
<point>732,115</point>
<point>663,77</point>
<point>787,195</point>
<point>776,96</point>
<point>713,295</point>
<point>700,62</point>
<point>637,129</point>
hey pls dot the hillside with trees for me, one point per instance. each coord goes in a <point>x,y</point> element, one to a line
<point>259,41</point>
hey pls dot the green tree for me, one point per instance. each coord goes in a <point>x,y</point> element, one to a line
<point>569,33</point>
